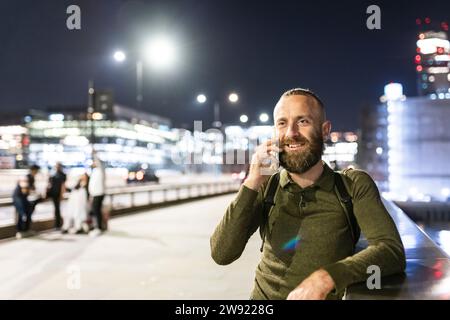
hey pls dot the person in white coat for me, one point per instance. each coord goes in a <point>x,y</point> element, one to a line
<point>97,192</point>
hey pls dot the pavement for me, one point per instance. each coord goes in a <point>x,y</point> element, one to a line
<point>159,254</point>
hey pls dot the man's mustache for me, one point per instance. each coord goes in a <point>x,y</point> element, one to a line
<point>287,141</point>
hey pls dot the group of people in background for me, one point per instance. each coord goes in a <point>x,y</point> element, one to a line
<point>83,211</point>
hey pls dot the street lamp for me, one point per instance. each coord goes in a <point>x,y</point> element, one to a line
<point>232,97</point>
<point>263,117</point>
<point>160,53</point>
<point>119,56</point>
<point>90,112</point>
<point>201,98</point>
<point>243,118</point>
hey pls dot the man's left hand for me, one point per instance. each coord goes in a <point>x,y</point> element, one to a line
<point>315,287</point>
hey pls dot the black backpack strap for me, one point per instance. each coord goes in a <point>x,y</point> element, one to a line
<point>268,203</point>
<point>346,200</point>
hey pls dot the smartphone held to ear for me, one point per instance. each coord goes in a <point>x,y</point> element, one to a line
<point>275,165</point>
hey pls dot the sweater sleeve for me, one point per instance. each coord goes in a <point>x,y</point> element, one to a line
<point>242,218</point>
<point>385,248</point>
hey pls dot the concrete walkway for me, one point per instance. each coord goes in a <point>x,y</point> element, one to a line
<point>160,254</point>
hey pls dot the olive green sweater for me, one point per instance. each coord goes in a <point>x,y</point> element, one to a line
<point>308,230</point>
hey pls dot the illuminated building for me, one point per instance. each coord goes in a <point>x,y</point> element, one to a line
<point>419,145</point>
<point>341,150</point>
<point>14,142</point>
<point>373,147</point>
<point>433,59</point>
<point>121,137</point>
<point>409,137</point>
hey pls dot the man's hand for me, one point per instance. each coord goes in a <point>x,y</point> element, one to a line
<point>315,287</point>
<point>260,165</point>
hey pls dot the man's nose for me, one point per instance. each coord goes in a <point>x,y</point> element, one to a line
<point>292,131</point>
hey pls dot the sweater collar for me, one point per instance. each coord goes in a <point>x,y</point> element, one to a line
<point>325,181</point>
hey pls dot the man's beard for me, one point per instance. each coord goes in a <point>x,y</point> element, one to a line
<point>302,160</point>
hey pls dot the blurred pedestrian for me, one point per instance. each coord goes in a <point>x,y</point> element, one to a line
<point>77,209</point>
<point>97,192</point>
<point>34,197</point>
<point>25,199</point>
<point>56,190</point>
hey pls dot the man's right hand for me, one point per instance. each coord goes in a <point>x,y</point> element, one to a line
<point>263,165</point>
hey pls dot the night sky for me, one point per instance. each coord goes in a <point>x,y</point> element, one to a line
<point>257,48</point>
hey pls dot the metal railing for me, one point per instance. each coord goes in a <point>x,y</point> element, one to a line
<point>118,201</point>
<point>223,186</point>
<point>155,195</point>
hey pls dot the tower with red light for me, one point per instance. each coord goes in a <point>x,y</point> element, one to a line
<point>432,59</point>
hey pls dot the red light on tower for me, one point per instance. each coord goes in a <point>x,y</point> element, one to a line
<point>418,50</point>
<point>427,20</point>
<point>444,26</point>
<point>418,58</point>
<point>419,68</point>
<point>418,21</point>
<point>440,50</point>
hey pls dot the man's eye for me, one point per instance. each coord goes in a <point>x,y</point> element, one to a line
<point>281,123</point>
<point>303,121</point>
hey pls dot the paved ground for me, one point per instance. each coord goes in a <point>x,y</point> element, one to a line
<point>159,254</point>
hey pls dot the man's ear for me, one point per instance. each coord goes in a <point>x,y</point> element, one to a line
<point>326,129</point>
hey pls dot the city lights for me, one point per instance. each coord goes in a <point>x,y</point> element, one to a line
<point>263,117</point>
<point>233,97</point>
<point>201,98</point>
<point>393,91</point>
<point>161,53</point>
<point>243,118</point>
<point>119,56</point>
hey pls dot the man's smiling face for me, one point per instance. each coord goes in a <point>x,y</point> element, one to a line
<point>301,128</point>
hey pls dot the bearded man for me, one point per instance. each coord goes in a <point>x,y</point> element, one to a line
<point>308,233</point>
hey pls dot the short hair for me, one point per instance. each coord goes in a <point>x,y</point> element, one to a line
<point>308,93</point>
<point>35,167</point>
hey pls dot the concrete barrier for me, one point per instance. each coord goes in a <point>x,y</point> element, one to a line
<point>427,274</point>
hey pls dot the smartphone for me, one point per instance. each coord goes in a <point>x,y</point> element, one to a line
<point>275,165</point>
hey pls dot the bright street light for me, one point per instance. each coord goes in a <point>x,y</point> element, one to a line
<point>263,117</point>
<point>233,97</point>
<point>161,53</point>
<point>201,98</point>
<point>119,56</point>
<point>243,118</point>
